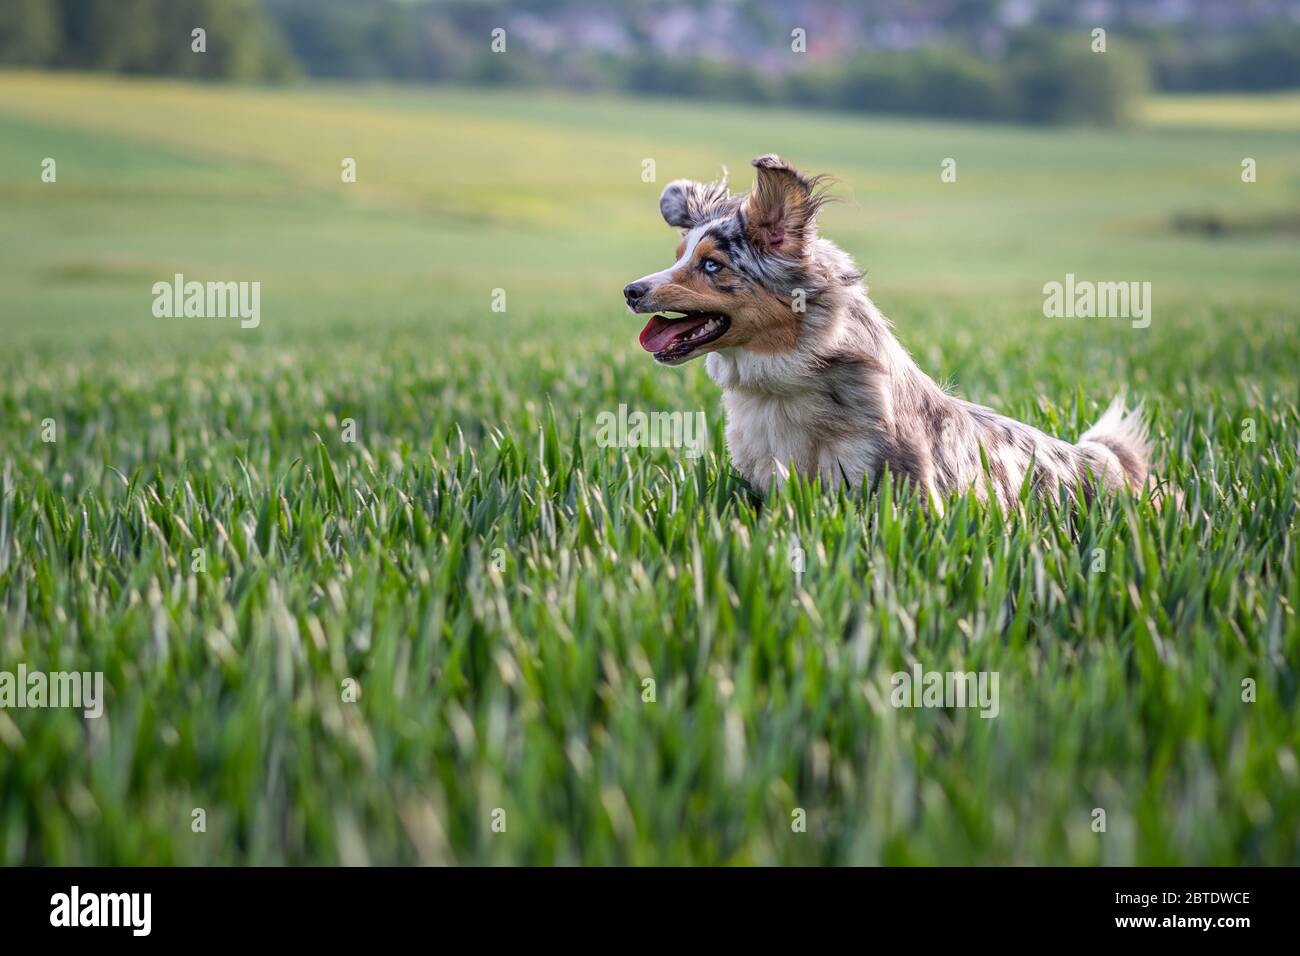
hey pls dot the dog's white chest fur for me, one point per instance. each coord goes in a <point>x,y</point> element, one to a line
<point>765,434</point>
<point>772,426</point>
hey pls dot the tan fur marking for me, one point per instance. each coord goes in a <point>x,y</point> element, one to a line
<point>761,321</point>
<point>769,323</point>
<point>706,248</point>
<point>691,278</point>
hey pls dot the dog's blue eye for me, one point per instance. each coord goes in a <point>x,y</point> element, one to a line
<point>710,266</point>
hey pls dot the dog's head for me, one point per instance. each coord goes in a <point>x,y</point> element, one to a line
<point>745,267</point>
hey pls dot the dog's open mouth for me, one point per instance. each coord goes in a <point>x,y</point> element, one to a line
<point>672,337</point>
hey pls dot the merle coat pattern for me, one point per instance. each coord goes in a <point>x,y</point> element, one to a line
<point>812,376</point>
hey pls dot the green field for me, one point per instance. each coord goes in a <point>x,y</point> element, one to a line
<point>500,586</point>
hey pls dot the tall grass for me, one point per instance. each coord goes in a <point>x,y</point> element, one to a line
<point>500,587</point>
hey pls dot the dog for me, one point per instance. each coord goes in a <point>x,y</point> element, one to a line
<point>812,377</point>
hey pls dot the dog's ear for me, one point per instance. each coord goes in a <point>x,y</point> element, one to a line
<point>685,203</point>
<point>782,208</point>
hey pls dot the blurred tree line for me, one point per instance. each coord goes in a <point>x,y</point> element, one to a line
<point>1042,74</point>
<point>145,36</point>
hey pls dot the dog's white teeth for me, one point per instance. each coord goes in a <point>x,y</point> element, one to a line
<point>705,329</point>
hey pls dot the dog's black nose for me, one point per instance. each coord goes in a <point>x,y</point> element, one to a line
<point>634,292</point>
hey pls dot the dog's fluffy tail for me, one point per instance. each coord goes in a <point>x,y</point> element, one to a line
<point>1123,434</point>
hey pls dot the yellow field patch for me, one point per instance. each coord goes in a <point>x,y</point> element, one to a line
<point>1268,111</point>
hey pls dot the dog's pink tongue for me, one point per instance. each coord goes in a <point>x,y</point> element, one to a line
<point>659,332</point>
